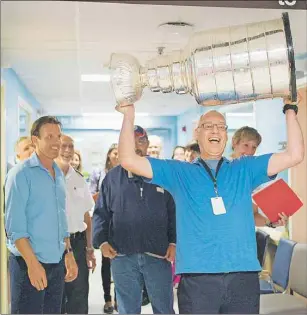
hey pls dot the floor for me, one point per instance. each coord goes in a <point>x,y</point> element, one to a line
<point>96,301</point>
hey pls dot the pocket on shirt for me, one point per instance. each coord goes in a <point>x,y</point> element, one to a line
<point>79,192</point>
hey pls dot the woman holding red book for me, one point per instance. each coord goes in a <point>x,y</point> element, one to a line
<point>245,141</point>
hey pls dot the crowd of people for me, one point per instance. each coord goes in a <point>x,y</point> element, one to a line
<point>157,222</point>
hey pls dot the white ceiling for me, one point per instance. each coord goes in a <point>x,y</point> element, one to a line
<point>51,43</point>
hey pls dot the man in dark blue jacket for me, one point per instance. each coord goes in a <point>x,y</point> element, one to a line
<point>134,225</point>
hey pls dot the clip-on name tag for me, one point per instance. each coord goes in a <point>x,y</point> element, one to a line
<point>218,205</point>
<point>216,202</point>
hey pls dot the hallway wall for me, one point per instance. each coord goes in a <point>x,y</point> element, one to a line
<point>16,94</point>
<point>94,134</point>
<point>298,177</point>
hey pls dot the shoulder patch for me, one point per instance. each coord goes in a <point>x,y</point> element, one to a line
<point>79,173</point>
<point>160,189</point>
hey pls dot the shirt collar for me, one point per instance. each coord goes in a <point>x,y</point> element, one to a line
<point>70,172</point>
<point>197,161</point>
<point>34,161</point>
<point>132,177</point>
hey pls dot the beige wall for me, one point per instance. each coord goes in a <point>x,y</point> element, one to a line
<point>299,177</point>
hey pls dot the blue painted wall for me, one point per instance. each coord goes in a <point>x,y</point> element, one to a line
<point>189,120</point>
<point>14,90</point>
<point>267,118</point>
<point>94,134</point>
<point>273,131</point>
<point>186,122</point>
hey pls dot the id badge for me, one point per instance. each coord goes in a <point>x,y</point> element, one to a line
<point>218,205</point>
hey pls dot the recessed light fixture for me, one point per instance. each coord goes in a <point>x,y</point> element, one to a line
<point>95,77</point>
<point>174,31</point>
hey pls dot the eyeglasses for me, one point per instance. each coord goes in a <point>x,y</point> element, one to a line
<point>210,126</point>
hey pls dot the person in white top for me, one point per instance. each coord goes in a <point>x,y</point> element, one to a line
<point>155,146</point>
<point>79,202</point>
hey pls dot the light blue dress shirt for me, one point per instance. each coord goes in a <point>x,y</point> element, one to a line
<point>35,209</point>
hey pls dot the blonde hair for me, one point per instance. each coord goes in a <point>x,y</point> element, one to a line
<point>108,164</point>
<point>248,133</point>
<point>20,140</point>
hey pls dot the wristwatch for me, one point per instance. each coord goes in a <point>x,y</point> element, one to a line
<point>290,106</point>
<point>68,250</point>
<point>270,224</point>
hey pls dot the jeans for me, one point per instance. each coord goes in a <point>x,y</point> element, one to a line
<point>26,299</point>
<point>75,296</point>
<point>225,293</point>
<point>130,272</point>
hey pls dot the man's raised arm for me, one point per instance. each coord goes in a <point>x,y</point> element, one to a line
<point>128,158</point>
<point>294,154</point>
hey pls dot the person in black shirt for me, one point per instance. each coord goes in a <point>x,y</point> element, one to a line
<point>134,225</point>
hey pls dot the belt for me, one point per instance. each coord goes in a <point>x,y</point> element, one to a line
<point>193,275</point>
<point>78,235</point>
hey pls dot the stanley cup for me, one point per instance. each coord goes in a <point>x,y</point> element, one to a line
<point>223,66</point>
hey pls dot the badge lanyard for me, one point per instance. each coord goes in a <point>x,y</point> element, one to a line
<point>213,178</point>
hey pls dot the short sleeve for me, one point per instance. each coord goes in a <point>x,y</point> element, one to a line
<point>88,199</point>
<point>164,173</point>
<point>258,168</point>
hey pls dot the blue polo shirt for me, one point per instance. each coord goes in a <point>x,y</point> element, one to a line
<point>209,243</point>
<point>35,209</point>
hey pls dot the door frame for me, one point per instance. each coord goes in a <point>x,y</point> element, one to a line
<point>4,265</point>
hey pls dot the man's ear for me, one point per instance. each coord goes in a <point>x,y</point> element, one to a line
<point>34,140</point>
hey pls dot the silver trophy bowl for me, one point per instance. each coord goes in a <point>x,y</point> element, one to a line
<point>223,66</point>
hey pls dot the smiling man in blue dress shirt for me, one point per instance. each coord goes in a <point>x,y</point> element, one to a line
<point>216,244</point>
<point>36,226</point>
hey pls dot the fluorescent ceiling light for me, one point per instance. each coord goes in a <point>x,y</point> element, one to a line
<point>78,139</point>
<point>115,114</point>
<point>239,114</point>
<point>95,77</point>
<point>100,114</point>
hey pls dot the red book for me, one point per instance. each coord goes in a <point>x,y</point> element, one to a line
<point>276,198</point>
